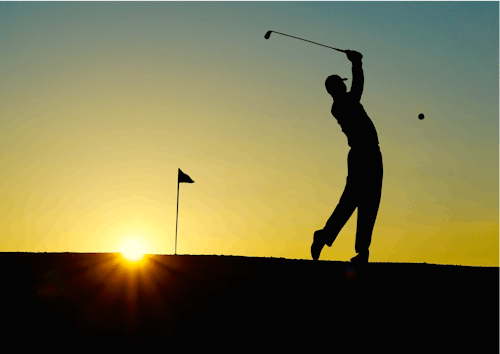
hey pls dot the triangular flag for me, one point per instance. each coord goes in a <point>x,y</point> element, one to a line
<point>184,178</point>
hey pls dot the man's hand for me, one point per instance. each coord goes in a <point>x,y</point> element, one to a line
<point>353,56</point>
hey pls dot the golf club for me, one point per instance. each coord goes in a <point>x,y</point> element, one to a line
<point>268,34</point>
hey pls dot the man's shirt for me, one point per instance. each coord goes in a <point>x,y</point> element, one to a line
<point>355,123</point>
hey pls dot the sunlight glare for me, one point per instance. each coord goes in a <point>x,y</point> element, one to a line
<point>133,251</point>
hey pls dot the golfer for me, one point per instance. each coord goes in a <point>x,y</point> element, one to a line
<point>364,164</point>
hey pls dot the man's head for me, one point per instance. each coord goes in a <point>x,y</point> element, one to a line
<point>335,85</point>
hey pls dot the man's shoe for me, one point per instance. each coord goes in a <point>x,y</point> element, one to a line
<point>318,244</point>
<point>361,258</point>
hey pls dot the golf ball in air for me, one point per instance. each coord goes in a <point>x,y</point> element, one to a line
<point>420,116</point>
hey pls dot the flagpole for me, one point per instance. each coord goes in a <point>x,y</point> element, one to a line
<point>177,217</point>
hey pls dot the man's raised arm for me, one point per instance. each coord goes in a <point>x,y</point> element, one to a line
<point>358,78</point>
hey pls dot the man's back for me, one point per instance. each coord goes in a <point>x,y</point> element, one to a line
<point>354,122</point>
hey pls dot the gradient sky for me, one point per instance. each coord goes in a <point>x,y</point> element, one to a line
<point>101,103</point>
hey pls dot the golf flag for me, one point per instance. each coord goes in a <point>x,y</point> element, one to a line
<point>181,178</point>
<point>184,178</point>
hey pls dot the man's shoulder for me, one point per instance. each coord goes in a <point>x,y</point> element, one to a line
<point>348,99</point>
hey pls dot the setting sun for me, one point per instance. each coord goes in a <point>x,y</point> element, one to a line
<point>133,250</point>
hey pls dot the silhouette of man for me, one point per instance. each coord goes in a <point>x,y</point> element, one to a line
<point>364,164</point>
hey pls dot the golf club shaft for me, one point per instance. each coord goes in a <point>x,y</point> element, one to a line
<point>340,50</point>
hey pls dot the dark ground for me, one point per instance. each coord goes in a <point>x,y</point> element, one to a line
<point>73,300</point>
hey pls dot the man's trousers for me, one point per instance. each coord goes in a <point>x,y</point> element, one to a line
<point>363,191</point>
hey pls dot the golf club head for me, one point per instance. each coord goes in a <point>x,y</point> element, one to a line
<point>268,34</point>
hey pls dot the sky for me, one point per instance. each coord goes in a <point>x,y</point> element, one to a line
<point>102,103</point>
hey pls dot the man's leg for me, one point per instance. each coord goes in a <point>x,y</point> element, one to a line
<point>339,217</point>
<point>346,206</point>
<point>367,214</point>
<point>350,198</point>
<point>368,209</point>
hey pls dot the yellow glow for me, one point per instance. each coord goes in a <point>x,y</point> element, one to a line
<point>133,251</point>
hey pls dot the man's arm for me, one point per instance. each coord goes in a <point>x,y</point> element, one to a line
<point>358,78</point>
